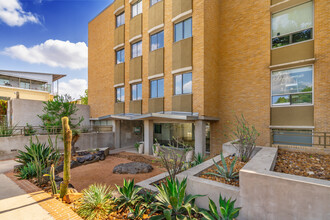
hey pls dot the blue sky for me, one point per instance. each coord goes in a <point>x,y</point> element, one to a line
<point>48,36</point>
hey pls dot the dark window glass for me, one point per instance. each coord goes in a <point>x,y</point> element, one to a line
<point>293,137</point>
<point>157,41</point>
<point>120,56</point>
<point>157,88</point>
<point>302,36</point>
<point>120,94</point>
<point>280,41</point>
<point>183,30</point>
<point>120,19</point>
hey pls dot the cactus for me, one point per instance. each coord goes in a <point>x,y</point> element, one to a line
<point>67,138</point>
<point>52,179</point>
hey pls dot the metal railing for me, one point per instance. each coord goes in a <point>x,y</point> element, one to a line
<point>7,131</point>
<point>312,139</point>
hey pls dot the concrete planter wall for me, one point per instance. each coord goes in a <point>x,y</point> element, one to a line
<point>263,193</point>
<point>10,145</point>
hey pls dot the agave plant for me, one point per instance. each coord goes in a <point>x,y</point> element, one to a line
<point>95,203</point>
<point>137,212</point>
<point>198,159</point>
<point>46,155</point>
<point>147,198</point>
<point>172,201</point>
<point>227,210</point>
<point>28,171</point>
<point>128,195</point>
<point>222,171</point>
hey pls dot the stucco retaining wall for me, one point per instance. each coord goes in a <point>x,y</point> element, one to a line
<point>10,145</point>
<point>22,111</point>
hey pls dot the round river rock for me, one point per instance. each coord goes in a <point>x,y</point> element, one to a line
<point>132,168</point>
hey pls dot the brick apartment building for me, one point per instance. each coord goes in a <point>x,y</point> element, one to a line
<point>183,68</point>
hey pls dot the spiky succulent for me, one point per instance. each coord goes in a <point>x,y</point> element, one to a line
<point>223,171</point>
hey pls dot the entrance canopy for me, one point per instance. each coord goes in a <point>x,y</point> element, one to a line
<point>154,116</point>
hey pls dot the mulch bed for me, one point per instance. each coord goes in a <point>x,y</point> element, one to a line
<point>139,158</point>
<point>238,166</point>
<point>303,164</point>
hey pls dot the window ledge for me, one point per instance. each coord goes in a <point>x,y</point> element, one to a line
<point>135,81</point>
<point>182,16</point>
<point>156,76</point>
<point>156,29</point>
<point>182,70</point>
<point>118,46</point>
<point>285,5</point>
<point>291,127</point>
<point>292,64</point>
<point>290,106</point>
<point>136,38</point>
<point>119,10</point>
<point>119,85</point>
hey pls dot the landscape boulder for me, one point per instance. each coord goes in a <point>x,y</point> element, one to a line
<point>132,168</point>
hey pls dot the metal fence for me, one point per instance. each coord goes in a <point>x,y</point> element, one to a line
<point>300,138</point>
<point>6,131</point>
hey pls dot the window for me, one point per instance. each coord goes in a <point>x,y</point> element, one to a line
<point>137,49</point>
<point>24,84</point>
<point>120,94</point>
<point>136,91</point>
<point>137,8</point>
<point>157,88</point>
<point>293,137</point>
<point>183,30</point>
<point>120,56</point>
<point>183,84</point>
<point>292,25</point>
<point>157,41</point>
<point>292,86</point>
<point>152,2</point>
<point>120,19</point>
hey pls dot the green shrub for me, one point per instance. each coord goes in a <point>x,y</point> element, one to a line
<point>222,171</point>
<point>28,130</point>
<point>128,195</point>
<point>137,212</point>
<point>172,201</point>
<point>227,210</point>
<point>27,171</point>
<point>95,203</point>
<point>46,155</point>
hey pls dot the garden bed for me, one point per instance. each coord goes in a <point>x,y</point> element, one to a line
<point>238,166</point>
<point>101,172</point>
<point>303,164</point>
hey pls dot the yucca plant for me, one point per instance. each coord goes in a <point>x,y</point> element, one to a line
<point>223,171</point>
<point>172,201</point>
<point>96,202</point>
<point>128,195</point>
<point>227,210</point>
<point>27,171</point>
<point>147,198</point>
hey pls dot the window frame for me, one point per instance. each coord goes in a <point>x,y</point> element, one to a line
<point>136,4</point>
<point>291,105</point>
<point>121,14</point>
<point>132,57</point>
<point>123,49</point>
<point>294,32</point>
<point>157,95</point>
<point>119,100</point>
<point>174,31</point>
<point>150,47</point>
<point>174,83</point>
<point>137,92</point>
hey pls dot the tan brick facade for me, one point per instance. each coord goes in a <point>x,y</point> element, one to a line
<point>231,62</point>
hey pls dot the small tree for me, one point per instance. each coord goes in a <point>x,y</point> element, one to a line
<point>246,137</point>
<point>59,107</point>
<point>84,99</point>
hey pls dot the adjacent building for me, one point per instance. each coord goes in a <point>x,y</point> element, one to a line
<point>160,69</point>
<point>28,85</point>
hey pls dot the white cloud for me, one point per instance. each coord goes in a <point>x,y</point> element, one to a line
<point>75,88</point>
<point>54,53</point>
<point>12,13</point>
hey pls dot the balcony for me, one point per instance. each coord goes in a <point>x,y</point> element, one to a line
<point>25,84</point>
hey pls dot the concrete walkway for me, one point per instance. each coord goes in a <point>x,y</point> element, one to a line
<point>15,203</point>
<point>7,165</point>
